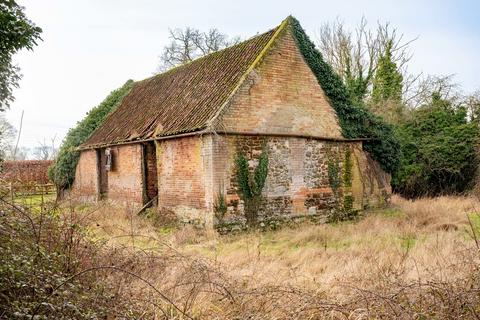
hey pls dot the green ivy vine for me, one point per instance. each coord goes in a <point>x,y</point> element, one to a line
<point>251,187</point>
<point>62,172</point>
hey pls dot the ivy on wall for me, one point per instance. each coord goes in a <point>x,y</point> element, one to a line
<point>62,172</point>
<point>340,176</point>
<point>251,186</point>
<point>355,121</point>
<point>347,171</point>
<point>220,206</point>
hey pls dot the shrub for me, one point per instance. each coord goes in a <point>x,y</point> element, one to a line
<point>220,206</point>
<point>438,151</point>
<point>62,172</point>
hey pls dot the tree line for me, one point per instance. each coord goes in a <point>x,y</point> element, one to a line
<point>435,123</point>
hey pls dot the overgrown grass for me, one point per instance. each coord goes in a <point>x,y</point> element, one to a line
<point>34,202</point>
<point>417,259</point>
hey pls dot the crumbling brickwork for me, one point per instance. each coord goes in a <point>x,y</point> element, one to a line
<point>125,185</point>
<point>124,180</point>
<point>181,177</point>
<point>85,186</point>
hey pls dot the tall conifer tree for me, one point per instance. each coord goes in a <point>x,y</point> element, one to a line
<point>387,83</point>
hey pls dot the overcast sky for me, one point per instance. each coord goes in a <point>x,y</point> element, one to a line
<point>89,48</point>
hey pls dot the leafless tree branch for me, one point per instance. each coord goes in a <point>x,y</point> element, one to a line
<point>190,43</point>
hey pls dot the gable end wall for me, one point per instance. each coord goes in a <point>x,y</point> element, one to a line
<point>281,96</point>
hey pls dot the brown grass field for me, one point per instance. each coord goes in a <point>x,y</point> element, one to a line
<point>413,242</point>
<point>414,260</point>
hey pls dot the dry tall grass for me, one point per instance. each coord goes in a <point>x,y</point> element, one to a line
<point>422,237</point>
<point>417,259</point>
<point>423,241</point>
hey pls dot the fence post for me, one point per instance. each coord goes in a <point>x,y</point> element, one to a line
<point>43,190</point>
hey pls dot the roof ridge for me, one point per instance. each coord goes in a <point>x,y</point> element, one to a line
<point>187,98</point>
<point>258,59</point>
<point>209,55</point>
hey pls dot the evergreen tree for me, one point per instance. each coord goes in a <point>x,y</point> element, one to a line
<point>387,83</point>
<point>439,150</point>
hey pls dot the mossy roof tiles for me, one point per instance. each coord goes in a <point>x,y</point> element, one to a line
<point>183,99</point>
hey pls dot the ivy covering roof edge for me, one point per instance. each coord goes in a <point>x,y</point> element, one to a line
<point>355,121</point>
<point>62,172</point>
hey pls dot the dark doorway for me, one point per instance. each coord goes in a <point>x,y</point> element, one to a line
<point>150,179</point>
<point>102,174</point>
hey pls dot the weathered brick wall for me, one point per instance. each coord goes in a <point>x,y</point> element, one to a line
<point>281,96</point>
<point>26,171</point>
<point>125,184</point>
<point>182,176</point>
<point>298,181</point>
<point>124,180</point>
<point>85,185</point>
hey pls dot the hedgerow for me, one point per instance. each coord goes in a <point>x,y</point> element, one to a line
<point>62,172</point>
<point>355,121</point>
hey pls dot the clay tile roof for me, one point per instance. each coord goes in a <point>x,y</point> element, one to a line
<point>183,99</point>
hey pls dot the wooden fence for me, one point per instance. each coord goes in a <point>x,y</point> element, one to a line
<point>15,190</point>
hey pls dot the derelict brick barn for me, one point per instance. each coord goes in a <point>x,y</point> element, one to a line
<point>176,136</point>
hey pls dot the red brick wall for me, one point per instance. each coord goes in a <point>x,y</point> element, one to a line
<point>85,185</point>
<point>181,173</point>
<point>281,96</point>
<point>125,179</point>
<point>26,171</point>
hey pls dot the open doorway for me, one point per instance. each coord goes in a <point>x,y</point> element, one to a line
<point>150,179</point>
<point>102,174</point>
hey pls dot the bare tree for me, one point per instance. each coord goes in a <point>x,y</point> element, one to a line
<point>472,103</point>
<point>354,55</point>
<point>45,151</point>
<point>420,92</point>
<point>190,43</point>
<point>7,136</point>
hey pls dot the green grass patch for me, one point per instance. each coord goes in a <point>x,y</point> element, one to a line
<point>166,230</point>
<point>407,241</point>
<point>35,201</point>
<point>474,218</point>
<point>391,212</point>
